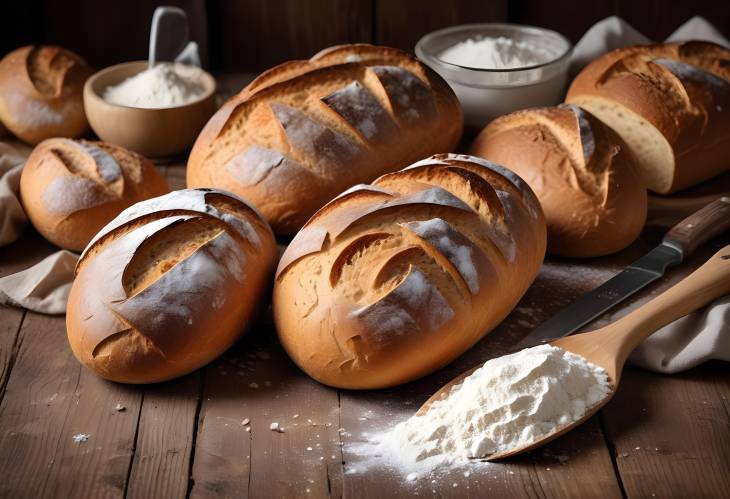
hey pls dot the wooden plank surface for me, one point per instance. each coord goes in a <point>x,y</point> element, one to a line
<point>401,24</point>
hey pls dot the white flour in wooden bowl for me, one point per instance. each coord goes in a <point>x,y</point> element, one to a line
<point>509,402</point>
<point>164,85</point>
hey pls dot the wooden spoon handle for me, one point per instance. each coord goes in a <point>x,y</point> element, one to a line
<point>701,287</point>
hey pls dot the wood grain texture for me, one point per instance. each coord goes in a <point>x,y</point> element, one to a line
<point>400,24</point>
<point>257,34</point>
<point>164,442</point>
<point>237,453</point>
<point>119,30</point>
<point>672,439</point>
<point>50,399</point>
<point>571,19</point>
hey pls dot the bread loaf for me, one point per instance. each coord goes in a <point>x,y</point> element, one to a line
<point>670,103</point>
<point>41,93</point>
<point>70,189</point>
<point>589,187</point>
<point>304,131</point>
<point>169,285</point>
<point>393,280</point>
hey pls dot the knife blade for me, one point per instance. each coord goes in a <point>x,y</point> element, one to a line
<point>676,245</point>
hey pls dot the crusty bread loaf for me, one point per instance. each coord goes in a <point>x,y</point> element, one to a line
<point>670,103</point>
<point>393,280</point>
<point>590,189</point>
<point>304,131</point>
<point>70,189</point>
<point>169,285</point>
<point>41,93</point>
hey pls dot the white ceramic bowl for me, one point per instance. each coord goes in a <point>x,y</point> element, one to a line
<point>487,93</point>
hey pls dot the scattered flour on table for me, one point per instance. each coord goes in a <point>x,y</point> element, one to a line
<point>81,437</point>
<point>509,402</point>
<point>495,53</point>
<point>164,85</point>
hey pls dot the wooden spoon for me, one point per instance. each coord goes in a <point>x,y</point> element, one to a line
<point>610,346</point>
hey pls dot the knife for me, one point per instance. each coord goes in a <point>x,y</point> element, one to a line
<point>676,245</point>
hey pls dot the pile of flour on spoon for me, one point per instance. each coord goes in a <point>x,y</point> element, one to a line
<point>509,402</point>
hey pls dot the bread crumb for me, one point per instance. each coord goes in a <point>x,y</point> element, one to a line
<point>120,408</point>
<point>245,421</point>
<point>411,477</point>
<point>81,437</point>
<point>295,416</point>
<point>276,427</point>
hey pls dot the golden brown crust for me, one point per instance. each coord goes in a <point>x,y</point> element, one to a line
<point>393,280</point>
<point>183,277</point>
<point>306,130</point>
<point>589,187</point>
<point>681,89</point>
<point>71,189</point>
<point>41,93</point>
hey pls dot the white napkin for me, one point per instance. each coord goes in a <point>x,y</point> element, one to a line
<point>43,287</point>
<point>704,335</point>
<point>12,216</point>
<point>613,33</point>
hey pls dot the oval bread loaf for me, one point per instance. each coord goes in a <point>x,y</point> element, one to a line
<point>70,189</point>
<point>393,280</point>
<point>304,131</point>
<point>590,189</point>
<point>41,93</point>
<point>169,285</point>
<point>670,103</point>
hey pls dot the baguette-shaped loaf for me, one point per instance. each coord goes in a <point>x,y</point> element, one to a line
<point>70,189</point>
<point>393,280</point>
<point>590,189</point>
<point>670,103</point>
<point>41,93</point>
<point>304,131</point>
<point>169,285</point>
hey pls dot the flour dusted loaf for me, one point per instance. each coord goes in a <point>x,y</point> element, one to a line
<point>590,189</point>
<point>670,103</point>
<point>41,93</point>
<point>70,189</point>
<point>393,280</point>
<point>304,131</point>
<point>169,285</point>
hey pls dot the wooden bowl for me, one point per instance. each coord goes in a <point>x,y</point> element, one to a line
<point>155,133</point>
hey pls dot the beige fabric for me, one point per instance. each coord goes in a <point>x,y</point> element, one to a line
<point>43,287</point>
<point>12,217</point>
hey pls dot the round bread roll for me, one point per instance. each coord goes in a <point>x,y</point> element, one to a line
<point>393,280</point>
<point>669,102</point>
<point>590,189</point>
<point>41,93</point>
<point>304,131</point>
<point>70,189</point>
<point>169,285</point>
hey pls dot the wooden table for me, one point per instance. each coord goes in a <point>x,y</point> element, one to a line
<point>661,436</point>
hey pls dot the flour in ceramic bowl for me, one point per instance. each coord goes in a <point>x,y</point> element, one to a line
<point>495,53</point>
<point>509,402</point>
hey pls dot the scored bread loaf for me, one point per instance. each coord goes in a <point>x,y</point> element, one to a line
<point>590,189</point>
<point>169,285</point>
<point>393,280</point>
<point>70,189</point>
<point>304,131</point>
<point>670,103</point>
<point>41,93</point>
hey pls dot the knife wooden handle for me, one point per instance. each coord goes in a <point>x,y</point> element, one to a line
<point>700,227</point>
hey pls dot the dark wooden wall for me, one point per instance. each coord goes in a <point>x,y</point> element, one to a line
<point>250,35</point>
